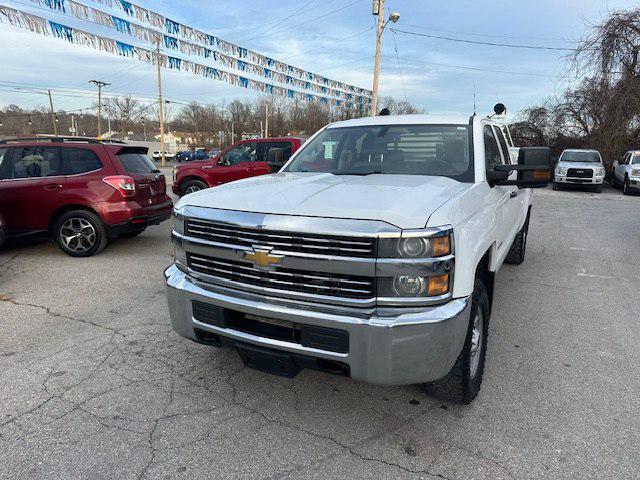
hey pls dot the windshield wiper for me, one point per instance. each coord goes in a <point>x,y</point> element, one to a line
<point>361,174</point>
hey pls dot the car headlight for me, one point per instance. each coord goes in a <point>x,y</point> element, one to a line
<point>178,221</point>
<point>599,171</point>
<point>561,171</point>
<point>409,286</point>
<point>415,245</point>
<point>635,172</point>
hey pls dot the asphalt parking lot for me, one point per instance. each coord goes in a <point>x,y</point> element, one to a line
<point>95,384</point>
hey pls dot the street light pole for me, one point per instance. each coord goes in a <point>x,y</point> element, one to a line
<point>160,106</point>
<point>53,115</point>
<point>378,9</point>
<point>99,84</point>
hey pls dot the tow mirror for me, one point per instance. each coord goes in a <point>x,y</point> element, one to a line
<point>533,169</point>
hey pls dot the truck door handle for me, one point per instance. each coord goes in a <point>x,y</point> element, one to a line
<point>513,194</point>
<point>52,186</point>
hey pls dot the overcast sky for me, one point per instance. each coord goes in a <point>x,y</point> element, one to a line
<point>333,38</point>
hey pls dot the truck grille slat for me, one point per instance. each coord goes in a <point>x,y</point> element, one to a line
<point>337,285</point>
<point>289,242</point>
<point>580,172</point>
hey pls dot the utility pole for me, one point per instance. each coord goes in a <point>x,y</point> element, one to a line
<point>160,106</point>
<point>53,115</point>
<point>266,120</point>
<point>376,68</point>
<point>99,84</point>
<point>232,135</point>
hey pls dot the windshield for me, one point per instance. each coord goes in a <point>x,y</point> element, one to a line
<point>575,156</point>
<point>439,150</point>
<point>635,160</point>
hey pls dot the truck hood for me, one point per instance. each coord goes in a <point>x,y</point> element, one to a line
<point>585,165</point>
<point>406,201</point>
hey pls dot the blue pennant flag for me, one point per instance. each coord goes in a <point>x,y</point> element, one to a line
<point>267,73</point>
<point>338,103</point>
<point>290,93</point>
<point>209,53</point>
<point>61,31</point>
<point>211,72</point>
<point>241,65</point>
<point>289,79</point>
<point>270,61</point>
<point>124,49</point>
<point>244,82</point>
<point>242,52</point>
<point>170,42</point>
<point>174,62</point>
<point>172,27</point>
<point>127,7</point>
<point>323,100</point>
<point>55,4</point>
<point>123,26</point>
<point>211,40</point>
<point>268,88</point>
<point>309,97</point>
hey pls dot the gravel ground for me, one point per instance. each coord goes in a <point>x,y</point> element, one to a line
<point>95,384</point>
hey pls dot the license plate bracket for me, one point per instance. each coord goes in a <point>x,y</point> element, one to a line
<point>276,363</point>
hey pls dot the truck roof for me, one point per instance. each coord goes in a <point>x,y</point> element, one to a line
<point>421,119</point>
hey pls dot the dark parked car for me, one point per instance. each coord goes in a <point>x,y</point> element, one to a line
<point>247,158</point>
<point>82,192</point>
<point>189,156</point>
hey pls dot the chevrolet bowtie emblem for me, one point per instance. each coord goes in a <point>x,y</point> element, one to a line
<point>262,257</point>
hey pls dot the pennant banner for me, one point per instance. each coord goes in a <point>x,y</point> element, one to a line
<point>46,27</point>
<point>178,37</point>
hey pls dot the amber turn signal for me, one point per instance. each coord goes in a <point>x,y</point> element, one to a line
<point>441,246</point>
<point>438,285</point>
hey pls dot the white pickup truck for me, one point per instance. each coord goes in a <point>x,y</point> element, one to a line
<point>371,254</point>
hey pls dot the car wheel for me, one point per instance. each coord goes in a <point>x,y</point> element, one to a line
<point>193,186</point>
<point>133,233</point>
<point>613,181</point>
<point>80,233</point>
<point>625,186</point>
<point>598,188</point>
<point>462,383</point>
<point>556,186</point>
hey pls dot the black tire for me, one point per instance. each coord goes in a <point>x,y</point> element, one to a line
<point>625,187</point>
<point>556,186</point>
<point>519,246</point>
<point>460,385</point>
<point>133,233</point>
<point>192,186</point>
<point>598,188</point>
<point>613,181</point>
<point>92,235</point>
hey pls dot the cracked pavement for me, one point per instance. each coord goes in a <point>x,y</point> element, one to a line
<point>94,383</point>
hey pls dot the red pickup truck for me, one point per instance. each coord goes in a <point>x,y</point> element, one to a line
<point>247,158</point>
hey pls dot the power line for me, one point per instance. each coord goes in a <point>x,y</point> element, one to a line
<point>477,42</point>
<point>473,34</point>
<point>395,46</point>
<point>297,12</point>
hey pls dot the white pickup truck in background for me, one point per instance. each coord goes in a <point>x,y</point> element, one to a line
<point>371,254</point>
<point>626,172</point>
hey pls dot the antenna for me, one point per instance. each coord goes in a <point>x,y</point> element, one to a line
<point>474,98</point>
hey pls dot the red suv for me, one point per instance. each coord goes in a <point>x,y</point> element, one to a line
<point>247,158</point>
<point>82,192</point>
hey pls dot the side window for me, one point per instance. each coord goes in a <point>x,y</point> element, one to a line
<point>35,162</point>
<point>491,149</point>
<point>635,159</point>
<point>285,146</point>
<point>503,145</point>
<point>79,160</point>
<point>5,170</point>
<point>245,152</point>
<point>625,160</point>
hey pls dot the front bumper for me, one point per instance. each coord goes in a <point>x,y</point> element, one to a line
<point>598,180</point>
<point>408,348</point>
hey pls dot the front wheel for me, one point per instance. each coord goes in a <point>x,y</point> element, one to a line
<point>193,186</point>
<point>462,383</point>
<point>625,187</point>
<point>598,188</point>
<point>80,233</point>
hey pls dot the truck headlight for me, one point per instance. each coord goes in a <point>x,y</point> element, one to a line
<point>178,221</point>
<point>410,286</point>
<point>415,245</point>
<point>599,171</point>
<point>561,171</point>
<point>635,172</point>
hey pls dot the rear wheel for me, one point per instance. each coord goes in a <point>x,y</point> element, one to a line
<point>192,186</point>
<point>80,233</point>
<point>462,383</point>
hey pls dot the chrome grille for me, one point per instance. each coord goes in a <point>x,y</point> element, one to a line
<point>328,284</point>
<point>282,241</point>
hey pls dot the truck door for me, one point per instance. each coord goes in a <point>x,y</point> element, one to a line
<point>505,199</point>
<point>236,163</point>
